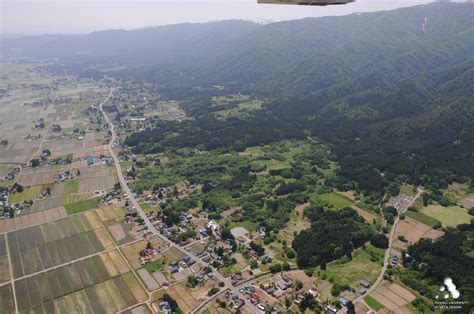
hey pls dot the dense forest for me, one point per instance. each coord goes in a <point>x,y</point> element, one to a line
<point>333,234</point>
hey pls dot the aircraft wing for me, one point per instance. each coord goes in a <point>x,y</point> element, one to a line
<point>306,2</point>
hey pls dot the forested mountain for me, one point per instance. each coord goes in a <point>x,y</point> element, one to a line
<point>391,92</point>
<point>153,45</point>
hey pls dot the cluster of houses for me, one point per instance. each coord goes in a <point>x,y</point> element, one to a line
<point>101,160</point>
<point>4,206</point>
<point>7,210</point>
<point>238,302</point>
<point>55,128</point>
<point>39,124</point>
<point>164,308</point>
<point>164,194</point>
<point>32,137</point>
<point>67,175</point>
<point>212,227</point>
<point>167,230</point>
<point>146,255</point>
<point>186,262</point>
<point>46,101</point>
<point>11,174</point>
<point>45,153</point>
<point>209,254</point>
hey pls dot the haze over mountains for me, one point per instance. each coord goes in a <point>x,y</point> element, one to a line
<point>402,80</point>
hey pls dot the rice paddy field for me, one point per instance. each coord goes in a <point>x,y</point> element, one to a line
<point>7,304</point>
<point>4,264</point>
<point>55,243</point>
<point>37,177</point>
<point>60,263</point>
<point>81,206</point>
<point>99,284</point>
<point>33,95</point>
<point>89,185</point>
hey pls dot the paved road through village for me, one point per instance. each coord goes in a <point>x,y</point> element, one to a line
<point>143,215</point>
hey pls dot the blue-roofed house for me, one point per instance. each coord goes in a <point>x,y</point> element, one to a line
<point>90,160</point>
<point>343,301</point>
<point>174,269</point>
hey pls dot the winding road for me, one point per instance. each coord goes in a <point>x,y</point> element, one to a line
<point>143,215</point>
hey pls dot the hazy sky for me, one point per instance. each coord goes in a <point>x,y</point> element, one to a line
<point>81,16</point>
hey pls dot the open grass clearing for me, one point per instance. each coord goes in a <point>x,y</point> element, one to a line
<point>249,225</point>
<point>408,190</point>
<point>360,267</point>
<point>449,216</point>
<point>336,200</point>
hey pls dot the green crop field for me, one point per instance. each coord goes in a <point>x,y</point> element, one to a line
<point>338,201</point>
<point>71,187</point>
<point>449,216</point>
<point>422,218</point>
<point>374,304</point>
<point>81,206</point>
<point>154,266</point>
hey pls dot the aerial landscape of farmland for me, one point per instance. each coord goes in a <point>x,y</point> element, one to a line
<point>318,160</point>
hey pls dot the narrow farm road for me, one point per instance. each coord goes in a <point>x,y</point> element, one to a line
<point>387,252</point>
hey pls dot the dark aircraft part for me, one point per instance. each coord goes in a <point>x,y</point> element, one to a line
<point>307,2</point>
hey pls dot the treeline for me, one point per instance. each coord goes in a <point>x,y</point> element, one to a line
<point>208,133</point>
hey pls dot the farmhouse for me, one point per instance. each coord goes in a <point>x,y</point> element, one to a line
<point>312,293</point>
<point>365,283</point>
<point>216,230</point>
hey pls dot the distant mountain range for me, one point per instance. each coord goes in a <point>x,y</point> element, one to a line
<point>298,56</point>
